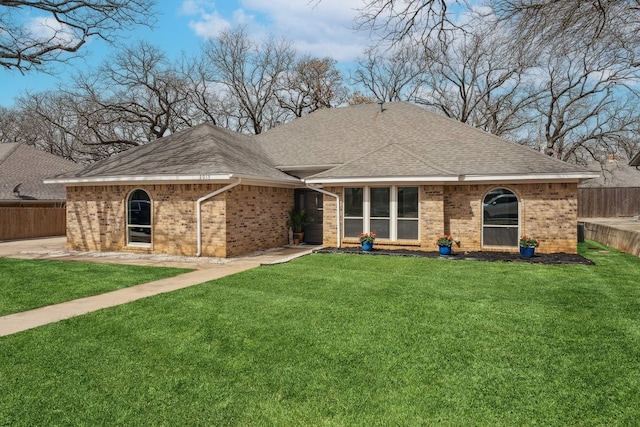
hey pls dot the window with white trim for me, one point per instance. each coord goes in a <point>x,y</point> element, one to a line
<point>407,227</point>
<point>390,212</point>
<point>353,211</point>
<point>500,218</point>
<point>139,218</point>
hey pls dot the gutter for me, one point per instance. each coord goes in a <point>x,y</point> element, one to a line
<point>559,177</point>
<point>155,179</point>
<point>319,190</point>
<point>199,208</point>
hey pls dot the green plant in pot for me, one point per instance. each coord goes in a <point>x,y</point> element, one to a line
<point>298,220</point>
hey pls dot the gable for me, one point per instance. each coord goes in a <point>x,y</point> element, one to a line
<point>204,152</point>
<point>383,163</point>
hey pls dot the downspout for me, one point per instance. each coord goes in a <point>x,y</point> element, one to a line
<point>319,190</point>
<point>199,207</point>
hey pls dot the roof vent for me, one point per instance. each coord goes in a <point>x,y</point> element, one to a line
<point>381,104</point>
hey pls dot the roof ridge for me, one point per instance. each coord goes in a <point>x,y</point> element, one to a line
<point>10,151</point>
<point>423,160</point>
<point>401,148</point>
<point>368,153</point>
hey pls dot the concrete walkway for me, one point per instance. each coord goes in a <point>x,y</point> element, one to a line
<point>54,248</point>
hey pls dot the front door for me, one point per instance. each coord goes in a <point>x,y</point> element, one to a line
<point>311,202</point>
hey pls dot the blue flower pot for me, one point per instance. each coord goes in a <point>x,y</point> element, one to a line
<point>444,250</point>
<point>527,252</point>
<point>367,246</point>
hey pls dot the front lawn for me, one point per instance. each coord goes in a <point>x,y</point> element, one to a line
<point>346,340</point>
<point>29,284</point>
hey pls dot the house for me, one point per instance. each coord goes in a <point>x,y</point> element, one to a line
<point>22,171</point>
<point>396,169</point>
<point>28,207</point>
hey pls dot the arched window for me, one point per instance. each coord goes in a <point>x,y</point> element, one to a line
<point>500,218</point>
<point>139,218</point>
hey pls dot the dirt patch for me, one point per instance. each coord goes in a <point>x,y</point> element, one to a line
<point>559,258</point>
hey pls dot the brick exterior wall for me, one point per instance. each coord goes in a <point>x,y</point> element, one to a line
<point>257,218</point>
<point>547,211</point>
<point>96,219</point>
<point>248,218</point>
<point>329,236</point>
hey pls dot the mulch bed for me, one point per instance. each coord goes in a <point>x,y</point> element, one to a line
<point>559,258</point>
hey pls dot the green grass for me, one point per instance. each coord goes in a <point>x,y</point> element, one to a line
<point>347,340</point>
<point>29,284</point>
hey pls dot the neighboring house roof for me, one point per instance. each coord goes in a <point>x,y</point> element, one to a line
<point>23,168</point>
<point>431,146</point>
<point>403,142</point>
<point>613,174</point>
<point>204,152</point>
<point>635,161</point>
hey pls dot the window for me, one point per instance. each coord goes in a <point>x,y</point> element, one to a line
<point>353,211</point>
<point>500,218</point>
<point>390,212</point>
<point>380,218</point>
<point>408,213</point>
<point>139,218</point>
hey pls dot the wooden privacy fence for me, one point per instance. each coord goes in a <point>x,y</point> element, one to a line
<point>29,222</point>
<point>608,202</point>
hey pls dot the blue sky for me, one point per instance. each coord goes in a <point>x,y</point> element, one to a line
<point>320,28</point>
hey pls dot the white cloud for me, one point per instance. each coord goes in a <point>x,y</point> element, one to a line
<point>209,24</point>
<point>48,29</point>
<point>320,28</point>
<point>208,21</point>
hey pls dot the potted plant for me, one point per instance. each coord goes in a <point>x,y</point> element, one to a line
<point>366,240</point>
<point>528,246</point>
<point>444,243</point>
<point>298,220</point>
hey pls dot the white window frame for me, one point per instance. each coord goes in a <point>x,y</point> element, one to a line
<point>393,210</point>
<point>501,226</point>
<point>344,208</point>
<point>131,226</point>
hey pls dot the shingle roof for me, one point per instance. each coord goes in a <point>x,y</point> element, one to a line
<point>613,174</point>
<point>392,155</point>
<point>27,166</point>
<point>200,151</point>
<point>402,141</point>
<point>337,136</point>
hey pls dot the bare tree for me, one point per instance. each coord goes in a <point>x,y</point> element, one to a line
<point>54,123</point>
<point>250,72</point>
<point>61,28</point>
<point>543,21</point>
<point>133,98</point>
<point>395,75</point>
<point>14,126</point>
<point>358,98</point>
<point>312,84</point>
<point>586,106</point>
<point>202,95</point>
<point>397,21</point>
<point>550,21</point>
<point>480,77</point>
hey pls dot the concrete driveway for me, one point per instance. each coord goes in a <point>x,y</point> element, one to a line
<point>14,248</point>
